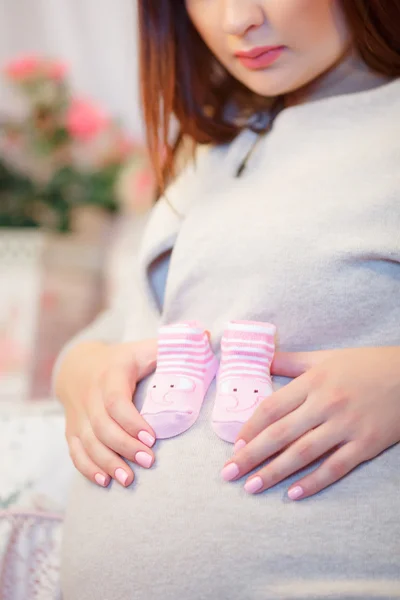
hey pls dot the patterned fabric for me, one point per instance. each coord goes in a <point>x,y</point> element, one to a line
<point>34,483</point>
<point>37,470</point>
<point>30,556</point>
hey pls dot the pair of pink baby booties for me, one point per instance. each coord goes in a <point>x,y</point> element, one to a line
<point>186,366</point>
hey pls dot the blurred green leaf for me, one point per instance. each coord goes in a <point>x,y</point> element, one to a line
<point>60,136</point>
<point>17,197</point>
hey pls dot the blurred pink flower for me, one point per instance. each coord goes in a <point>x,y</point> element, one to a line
<point>144,183</point>
<point>23,68</point>
<point>137,186</point>
<point>85,120</point>
<point>56,70</point>
<point>119,149</point>
<point>12,138</point>
<point>32,66</point>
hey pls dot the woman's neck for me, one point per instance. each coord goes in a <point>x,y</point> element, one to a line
<point>351,75</point>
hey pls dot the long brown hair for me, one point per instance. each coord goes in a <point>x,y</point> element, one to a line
<point>181,80</point>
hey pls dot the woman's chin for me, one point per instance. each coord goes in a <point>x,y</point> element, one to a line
<point>267,84</point>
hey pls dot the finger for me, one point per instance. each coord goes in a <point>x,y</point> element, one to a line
<point>108,432</point>
<point>117,399</point>
<point>270,441</point>
<point>301,453</point>
<point>85,465</point>
<point>274,408</point>
<point>108,460</point>
<point>336,466</point>
<point>294,364</point>
<point>141,360</point>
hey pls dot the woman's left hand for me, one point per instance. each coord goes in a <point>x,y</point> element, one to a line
<point>342,402</point>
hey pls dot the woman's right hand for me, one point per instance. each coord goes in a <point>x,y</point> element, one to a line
<point>95,383</point>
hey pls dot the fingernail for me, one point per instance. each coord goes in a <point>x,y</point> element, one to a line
<point>147,439</point>
<point>239,445</point>
<point>230,472</point>
<point>254,485</point>
<point>100,479</point>
<point>296,493</point>
<point>121,476</point>
<point>143,459</point>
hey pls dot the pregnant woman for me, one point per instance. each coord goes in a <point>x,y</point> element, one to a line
<point>288,214</point>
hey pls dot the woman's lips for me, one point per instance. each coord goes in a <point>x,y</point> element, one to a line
<point>260,58</point>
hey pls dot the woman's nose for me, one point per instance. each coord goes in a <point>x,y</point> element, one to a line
<point>242,15</point>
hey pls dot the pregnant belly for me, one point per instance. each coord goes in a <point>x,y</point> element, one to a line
<point>181,533</point>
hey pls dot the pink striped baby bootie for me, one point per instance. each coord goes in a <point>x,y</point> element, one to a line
<point>244,378</point>
<point>186,365</point>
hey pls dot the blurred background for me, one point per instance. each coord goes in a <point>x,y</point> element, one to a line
<point>74,176</point>
<point>75,191</point>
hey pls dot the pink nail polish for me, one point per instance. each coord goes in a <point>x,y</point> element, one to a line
<point>296,493</point>
<point>254,485</point>
<point>239,445</point>
<point>100,479</point>
<point>121,476</point>
<point>230,472</point>
<point>146,439</point>
<point>143,459</point>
